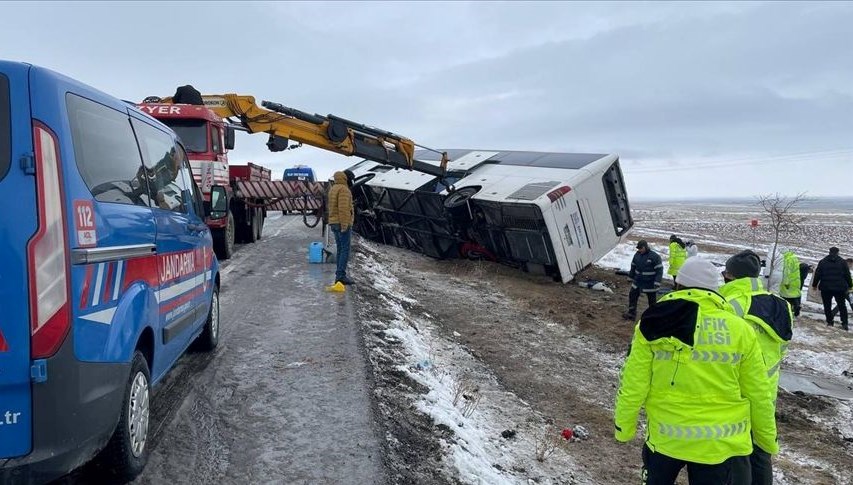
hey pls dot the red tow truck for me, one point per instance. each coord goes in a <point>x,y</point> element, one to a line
<point>249,188</point>
<point>206,125</point>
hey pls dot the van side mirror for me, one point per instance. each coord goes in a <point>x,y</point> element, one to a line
<point>217,208</point>
<point>229,138</point>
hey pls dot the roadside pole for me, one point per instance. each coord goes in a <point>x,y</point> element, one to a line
<point>754,224</point>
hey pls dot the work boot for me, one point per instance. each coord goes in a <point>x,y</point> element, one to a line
<point>346,281</point>
<point>830,324</point>
<point>844,327</point>
<point>629,316</point>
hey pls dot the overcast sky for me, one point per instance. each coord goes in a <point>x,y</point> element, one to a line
<point>698,99</point>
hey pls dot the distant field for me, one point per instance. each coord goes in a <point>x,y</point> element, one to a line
<point>829,222</point>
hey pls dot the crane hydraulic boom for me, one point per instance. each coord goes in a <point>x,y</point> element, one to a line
<point>329,132</point>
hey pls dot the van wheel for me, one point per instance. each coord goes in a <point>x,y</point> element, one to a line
<point>223,240</point>
<point>209,338</point>
<point>127,451</point>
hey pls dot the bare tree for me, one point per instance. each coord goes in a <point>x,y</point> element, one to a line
<point>784,218</point>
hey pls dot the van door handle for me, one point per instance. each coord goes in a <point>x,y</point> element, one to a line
<point>197,227</point>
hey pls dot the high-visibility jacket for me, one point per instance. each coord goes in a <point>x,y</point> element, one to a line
<point>677,257</point>
<point>791,284</point>
<point>769,315</point>
<point>697,369</point>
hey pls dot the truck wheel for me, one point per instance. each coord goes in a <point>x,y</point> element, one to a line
<point>251,231</point>
<point>127,451</point>
<point>209,338</point>
<point>223,240</point>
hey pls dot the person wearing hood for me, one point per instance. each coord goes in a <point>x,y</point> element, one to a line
<point>677,256</point>
<point>697,369</point>
<point>341,219</point>
<point>771,317</point>
<point>692,249</point>
<point>790,288</point>
<point>832,278</point>
<point>646,274</point>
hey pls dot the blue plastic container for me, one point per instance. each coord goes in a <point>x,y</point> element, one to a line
<point>315,252</point>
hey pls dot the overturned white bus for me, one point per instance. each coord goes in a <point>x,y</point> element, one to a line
<point>550,213</point>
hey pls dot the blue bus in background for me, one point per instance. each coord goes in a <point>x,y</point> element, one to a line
<point>300,173</point>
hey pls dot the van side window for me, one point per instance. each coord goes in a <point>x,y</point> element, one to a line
<point>162,160</point>
<point>216,138</point>
<point>5,127</point>
<point>189,183</point>
<point>106,152</point>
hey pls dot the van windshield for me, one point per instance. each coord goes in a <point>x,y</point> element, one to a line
<point>193,133</point>
<point>5,127</point>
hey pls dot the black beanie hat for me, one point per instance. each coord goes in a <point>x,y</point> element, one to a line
<point>745,264</point>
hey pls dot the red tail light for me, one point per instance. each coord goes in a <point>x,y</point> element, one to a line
<point>47,252</point>
<point>559,192</point>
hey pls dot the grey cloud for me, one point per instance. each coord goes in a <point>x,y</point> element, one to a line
<point>658,83</point>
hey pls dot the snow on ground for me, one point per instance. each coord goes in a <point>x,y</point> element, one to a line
<point>620,256</point>
<point>815,350</point>
<point>465,397</point>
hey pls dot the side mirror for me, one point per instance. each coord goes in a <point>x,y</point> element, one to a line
<point>217,208</point>
<point>229,138</point>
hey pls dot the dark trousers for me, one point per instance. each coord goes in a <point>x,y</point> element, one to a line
<point>660,469</point>
<point>634,296</point>
<point>342,240</point>
<point>762,467</point>
<point>795,305</point>
<point>827,297</point>
<point>849,300</point>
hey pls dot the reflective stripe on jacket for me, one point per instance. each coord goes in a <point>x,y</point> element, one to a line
<point>769,315</point>
<point>697,369</point>
<point>677,256</point>
<point>646,271</point>
<point>791,285</point>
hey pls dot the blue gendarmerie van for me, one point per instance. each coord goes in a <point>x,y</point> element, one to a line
<point>107,274</point>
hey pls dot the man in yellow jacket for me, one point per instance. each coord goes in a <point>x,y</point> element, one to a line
<point>677,256</point>
<point>791,287</point>
<point>341,218</point>
<point>771,317</point>
<point>698,370</point>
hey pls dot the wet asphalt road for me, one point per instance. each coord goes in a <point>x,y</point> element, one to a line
<point>285,398</point>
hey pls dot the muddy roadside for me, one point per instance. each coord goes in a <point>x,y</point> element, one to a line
<point>560,347</point>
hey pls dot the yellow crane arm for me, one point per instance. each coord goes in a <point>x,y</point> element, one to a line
<point>329,132</point>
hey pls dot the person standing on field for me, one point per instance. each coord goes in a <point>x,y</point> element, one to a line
<point>832,278</point>
<point>340,221</point>
<point>692,249</point>
<point>646,273</point>
<point>698,371</point>
<point>849,292</point>
<point>677,256</point>
<point>772,320</point>
<point>791,288</point>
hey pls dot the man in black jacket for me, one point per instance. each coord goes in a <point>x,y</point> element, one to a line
<point>646,273</point>
<point>832,277</point>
